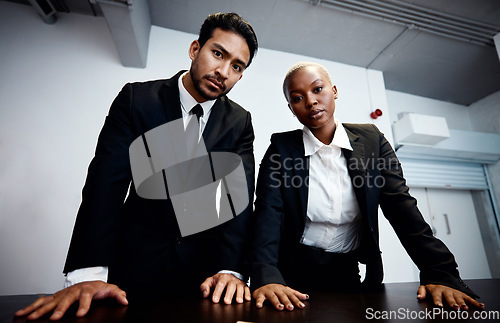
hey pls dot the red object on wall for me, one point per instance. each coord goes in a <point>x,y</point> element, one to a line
<point>375,114</point>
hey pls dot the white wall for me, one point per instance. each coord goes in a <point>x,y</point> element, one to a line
<point>485,116</point>
<point>457,116</point>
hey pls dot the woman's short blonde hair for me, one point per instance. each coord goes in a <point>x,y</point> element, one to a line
<point>298,66</point>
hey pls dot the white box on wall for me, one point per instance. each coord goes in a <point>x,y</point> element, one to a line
<point>420,129</point>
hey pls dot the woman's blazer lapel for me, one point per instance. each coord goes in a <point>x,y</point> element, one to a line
<point>355,160</point>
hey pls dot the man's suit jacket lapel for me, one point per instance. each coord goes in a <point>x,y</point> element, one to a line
<point>172,108</point>
<point>170,98</point>
<point>214,123</point>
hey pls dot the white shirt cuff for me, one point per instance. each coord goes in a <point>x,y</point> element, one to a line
<point>235,274</point>
<point>85,275</point>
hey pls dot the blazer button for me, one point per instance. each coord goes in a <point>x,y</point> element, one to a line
<point>178,240</point>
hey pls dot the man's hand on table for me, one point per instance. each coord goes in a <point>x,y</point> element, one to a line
<point>440,293</point>
<point>233,286</point>
<point>83,292</point>
<point>280,297</point>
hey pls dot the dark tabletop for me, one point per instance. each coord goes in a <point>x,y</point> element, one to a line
<point>394,302</point>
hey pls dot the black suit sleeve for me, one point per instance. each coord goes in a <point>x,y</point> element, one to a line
<point>267,221</point>
<point>233,243</point>
<point>108,179</point>
<point>435,262</point>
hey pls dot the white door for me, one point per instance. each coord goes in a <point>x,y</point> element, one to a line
<point>452,216</point>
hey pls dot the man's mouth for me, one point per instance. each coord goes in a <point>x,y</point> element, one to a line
<point>215,83</point>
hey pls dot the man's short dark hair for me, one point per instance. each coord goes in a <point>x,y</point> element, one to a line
<point>229,22</point>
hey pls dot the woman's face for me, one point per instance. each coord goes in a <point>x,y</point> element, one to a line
<point>311,96</point>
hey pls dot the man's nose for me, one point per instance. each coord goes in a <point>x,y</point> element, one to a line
<point>223,70</point>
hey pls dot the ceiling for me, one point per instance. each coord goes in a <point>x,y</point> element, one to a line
<point>440,49</point>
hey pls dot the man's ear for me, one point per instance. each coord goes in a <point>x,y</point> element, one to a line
<point>194,49</point>
<point>335,93</point>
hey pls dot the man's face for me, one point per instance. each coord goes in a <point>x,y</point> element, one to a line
<point>218,65</point>
<point>311,97</point>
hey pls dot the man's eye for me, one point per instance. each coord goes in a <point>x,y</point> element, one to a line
<point>237,68</point>
<point>217,53</point>
<point>318,89</point>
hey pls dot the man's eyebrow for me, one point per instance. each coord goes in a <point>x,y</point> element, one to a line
<point>225,52</point>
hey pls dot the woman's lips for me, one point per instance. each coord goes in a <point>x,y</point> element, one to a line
<point>316,114</point>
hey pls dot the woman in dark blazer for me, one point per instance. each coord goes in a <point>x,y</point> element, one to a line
<point>318,193</point>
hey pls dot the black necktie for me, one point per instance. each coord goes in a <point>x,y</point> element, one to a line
<point>193,127</point>
<point>198,111</point>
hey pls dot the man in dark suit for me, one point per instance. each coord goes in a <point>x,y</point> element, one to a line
<point>316,209</point>
<point>123,242</point>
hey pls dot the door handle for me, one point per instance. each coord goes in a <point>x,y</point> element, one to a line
<point>448,231</point>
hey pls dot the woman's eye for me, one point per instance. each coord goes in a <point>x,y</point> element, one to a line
<point>297,99</point>
<point>318,89</point>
